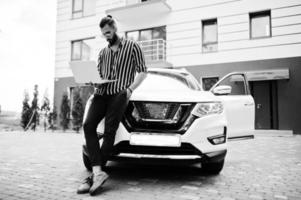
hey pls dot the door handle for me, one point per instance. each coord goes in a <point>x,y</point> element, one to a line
<point>249,104</point>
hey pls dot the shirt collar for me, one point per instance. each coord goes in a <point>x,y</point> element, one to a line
<point>121,43</point>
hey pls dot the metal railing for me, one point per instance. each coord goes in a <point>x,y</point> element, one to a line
<point>154,50</point>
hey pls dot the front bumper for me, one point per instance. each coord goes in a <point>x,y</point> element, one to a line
<point>195,145</point>
<point>185,153</point>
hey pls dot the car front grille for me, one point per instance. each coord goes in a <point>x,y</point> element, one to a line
<point>184,149</point>
<point>157,116</point>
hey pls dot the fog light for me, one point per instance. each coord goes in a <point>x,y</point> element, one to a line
<point>218,139</point>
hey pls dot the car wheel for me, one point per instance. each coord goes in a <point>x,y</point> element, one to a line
<point>213,167</point>
<point>87,162</point>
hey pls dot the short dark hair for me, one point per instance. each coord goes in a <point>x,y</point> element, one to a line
<point>108,20</point>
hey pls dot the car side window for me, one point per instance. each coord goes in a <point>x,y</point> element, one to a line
<point>237,84</point>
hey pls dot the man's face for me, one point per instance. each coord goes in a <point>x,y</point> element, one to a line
<point>109,33</point>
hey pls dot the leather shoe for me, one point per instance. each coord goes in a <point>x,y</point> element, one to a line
<point>98,181</point>
<point>85,186</point>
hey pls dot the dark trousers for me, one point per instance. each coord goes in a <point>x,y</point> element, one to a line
<point>112,108</point>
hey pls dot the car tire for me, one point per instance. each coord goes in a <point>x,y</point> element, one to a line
<point>213,167</point>
<point>87,162</point>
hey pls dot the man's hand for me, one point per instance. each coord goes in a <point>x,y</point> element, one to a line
<point>91,84</point>
<point>128,93</point>
<point>138,80</point>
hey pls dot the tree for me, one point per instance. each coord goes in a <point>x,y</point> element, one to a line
<point>52,116</point>
<point>45,108</point>
<point>77,110</point>
<point>26,112</point>
<point>35,108</point>
<point>65,112</point>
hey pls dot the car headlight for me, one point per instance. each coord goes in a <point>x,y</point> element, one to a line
<point>204,109</point>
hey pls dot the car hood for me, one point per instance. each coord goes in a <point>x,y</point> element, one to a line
<point>173,96</point>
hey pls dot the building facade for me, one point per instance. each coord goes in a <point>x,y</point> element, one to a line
<point>208,38</point>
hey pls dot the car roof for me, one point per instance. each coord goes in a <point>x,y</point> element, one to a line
<point>181,71</point>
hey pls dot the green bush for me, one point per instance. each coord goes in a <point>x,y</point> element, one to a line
<point>26,111</point>
<point>77,110</point>
<point>52,116</point>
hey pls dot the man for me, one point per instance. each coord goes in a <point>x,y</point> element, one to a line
<point>119,61</point>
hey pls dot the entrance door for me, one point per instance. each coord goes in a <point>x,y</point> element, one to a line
<point>264,93</point>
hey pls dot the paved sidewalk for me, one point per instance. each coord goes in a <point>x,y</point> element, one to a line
<point>49,166</point>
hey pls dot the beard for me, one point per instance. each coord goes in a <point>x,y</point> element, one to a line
<point>113,40</point>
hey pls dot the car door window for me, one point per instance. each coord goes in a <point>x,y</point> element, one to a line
<point>237,84</point>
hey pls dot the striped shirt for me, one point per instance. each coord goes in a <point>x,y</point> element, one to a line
<point>120,65</point>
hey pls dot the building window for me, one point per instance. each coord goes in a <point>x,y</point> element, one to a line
<point>209,36</point>
<point>152,42</point>
<point>208,82</point>
<point>147,34</point>
<point>133,35</point>
<point>81,8</point>
<point>82,49</point>
<point>260,24</point>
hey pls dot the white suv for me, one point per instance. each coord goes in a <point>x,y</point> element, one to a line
<point>170,117</point>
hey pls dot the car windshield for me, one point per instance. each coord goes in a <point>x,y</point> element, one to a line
<point>169,81</point>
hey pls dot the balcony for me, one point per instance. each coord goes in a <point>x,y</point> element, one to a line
<point>155,53</point>
<point>138,15</point>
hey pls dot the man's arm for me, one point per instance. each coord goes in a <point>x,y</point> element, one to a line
<point>138,80</point>
<point>140,67</point>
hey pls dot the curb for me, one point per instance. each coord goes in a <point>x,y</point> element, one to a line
<point>274,133</point>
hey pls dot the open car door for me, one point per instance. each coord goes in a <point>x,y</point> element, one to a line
<point>233,90</point>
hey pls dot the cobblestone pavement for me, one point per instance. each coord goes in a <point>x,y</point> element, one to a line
<point>49,166</point>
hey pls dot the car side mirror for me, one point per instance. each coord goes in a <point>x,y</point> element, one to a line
<point>222,90</point>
